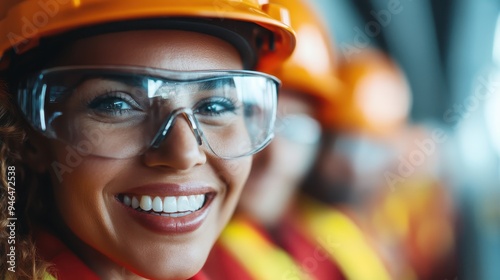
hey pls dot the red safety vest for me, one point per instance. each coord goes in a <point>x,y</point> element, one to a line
<point>332,240</point>
<point>245,252</point>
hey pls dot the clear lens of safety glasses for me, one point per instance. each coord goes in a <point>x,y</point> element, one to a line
<point>120,112</point>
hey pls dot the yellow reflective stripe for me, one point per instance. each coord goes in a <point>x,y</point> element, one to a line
<point>48,276</point>
<point>262,259</point>
<point>347,247</point>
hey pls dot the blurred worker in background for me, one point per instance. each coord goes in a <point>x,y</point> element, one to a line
<point>363,140</point>
<point>322,231</point>
<point>387,171</point>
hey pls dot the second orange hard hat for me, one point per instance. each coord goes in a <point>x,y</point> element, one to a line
<point>375,94</point>
<point>311,70</point>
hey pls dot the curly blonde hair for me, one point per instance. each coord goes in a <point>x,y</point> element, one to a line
<point>12,135</point>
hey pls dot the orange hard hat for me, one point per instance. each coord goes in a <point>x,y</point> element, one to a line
<point>25,24</point>
<point>375,94</point>
<point>311,69</point>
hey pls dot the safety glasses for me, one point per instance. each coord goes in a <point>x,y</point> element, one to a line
<point>122,111</point>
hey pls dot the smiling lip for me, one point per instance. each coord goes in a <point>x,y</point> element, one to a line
<point>166,224</point>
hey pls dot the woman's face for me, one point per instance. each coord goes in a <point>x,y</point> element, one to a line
<point>114,239</point>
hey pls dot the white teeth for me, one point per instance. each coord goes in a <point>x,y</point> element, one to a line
<point>183,204</point>
<point>173,206</point>
<point>146,203</point>
<point>192,201</point>
<point>169,204</point>
<point>135,202</point>
<point>127,201</point>
<point>200,199</point>
<point>157,204</point>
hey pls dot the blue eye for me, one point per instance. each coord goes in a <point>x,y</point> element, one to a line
<point>110,104</point>
<point>113,104</point>
<point>215,106</point>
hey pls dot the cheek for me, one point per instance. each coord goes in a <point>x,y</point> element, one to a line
<point>234,174</point>
<point>79,186</point>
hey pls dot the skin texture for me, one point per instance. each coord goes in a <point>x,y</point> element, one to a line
<point>88,216</point>
<point>279,169</point>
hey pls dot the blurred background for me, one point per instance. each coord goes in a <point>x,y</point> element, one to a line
<point>450,54</point>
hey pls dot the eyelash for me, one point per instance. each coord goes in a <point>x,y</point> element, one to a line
<point>112,93</point>
<point>227,101</point>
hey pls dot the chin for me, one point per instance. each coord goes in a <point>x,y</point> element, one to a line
<point>170,266</point>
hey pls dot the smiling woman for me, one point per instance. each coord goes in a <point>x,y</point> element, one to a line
<point>131,126</point>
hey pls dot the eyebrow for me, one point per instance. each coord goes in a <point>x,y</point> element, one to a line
<point>217,83</point>
<point>129,80</point>
<point>57,93</point>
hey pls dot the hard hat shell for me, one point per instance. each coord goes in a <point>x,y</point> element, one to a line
<point>375,96</point>
<point>24,23</point>
<point>311,69</point>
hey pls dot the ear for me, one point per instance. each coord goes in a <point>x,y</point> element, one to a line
<point>35,152</point>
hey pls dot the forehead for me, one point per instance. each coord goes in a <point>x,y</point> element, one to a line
<point>167,49</point>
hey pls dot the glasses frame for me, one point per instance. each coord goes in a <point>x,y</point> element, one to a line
<point>29,88</point>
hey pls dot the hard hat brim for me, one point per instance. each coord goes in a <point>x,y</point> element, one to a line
<point>90,13</point>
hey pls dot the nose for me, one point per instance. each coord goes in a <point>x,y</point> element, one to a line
<point>180,149</point>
